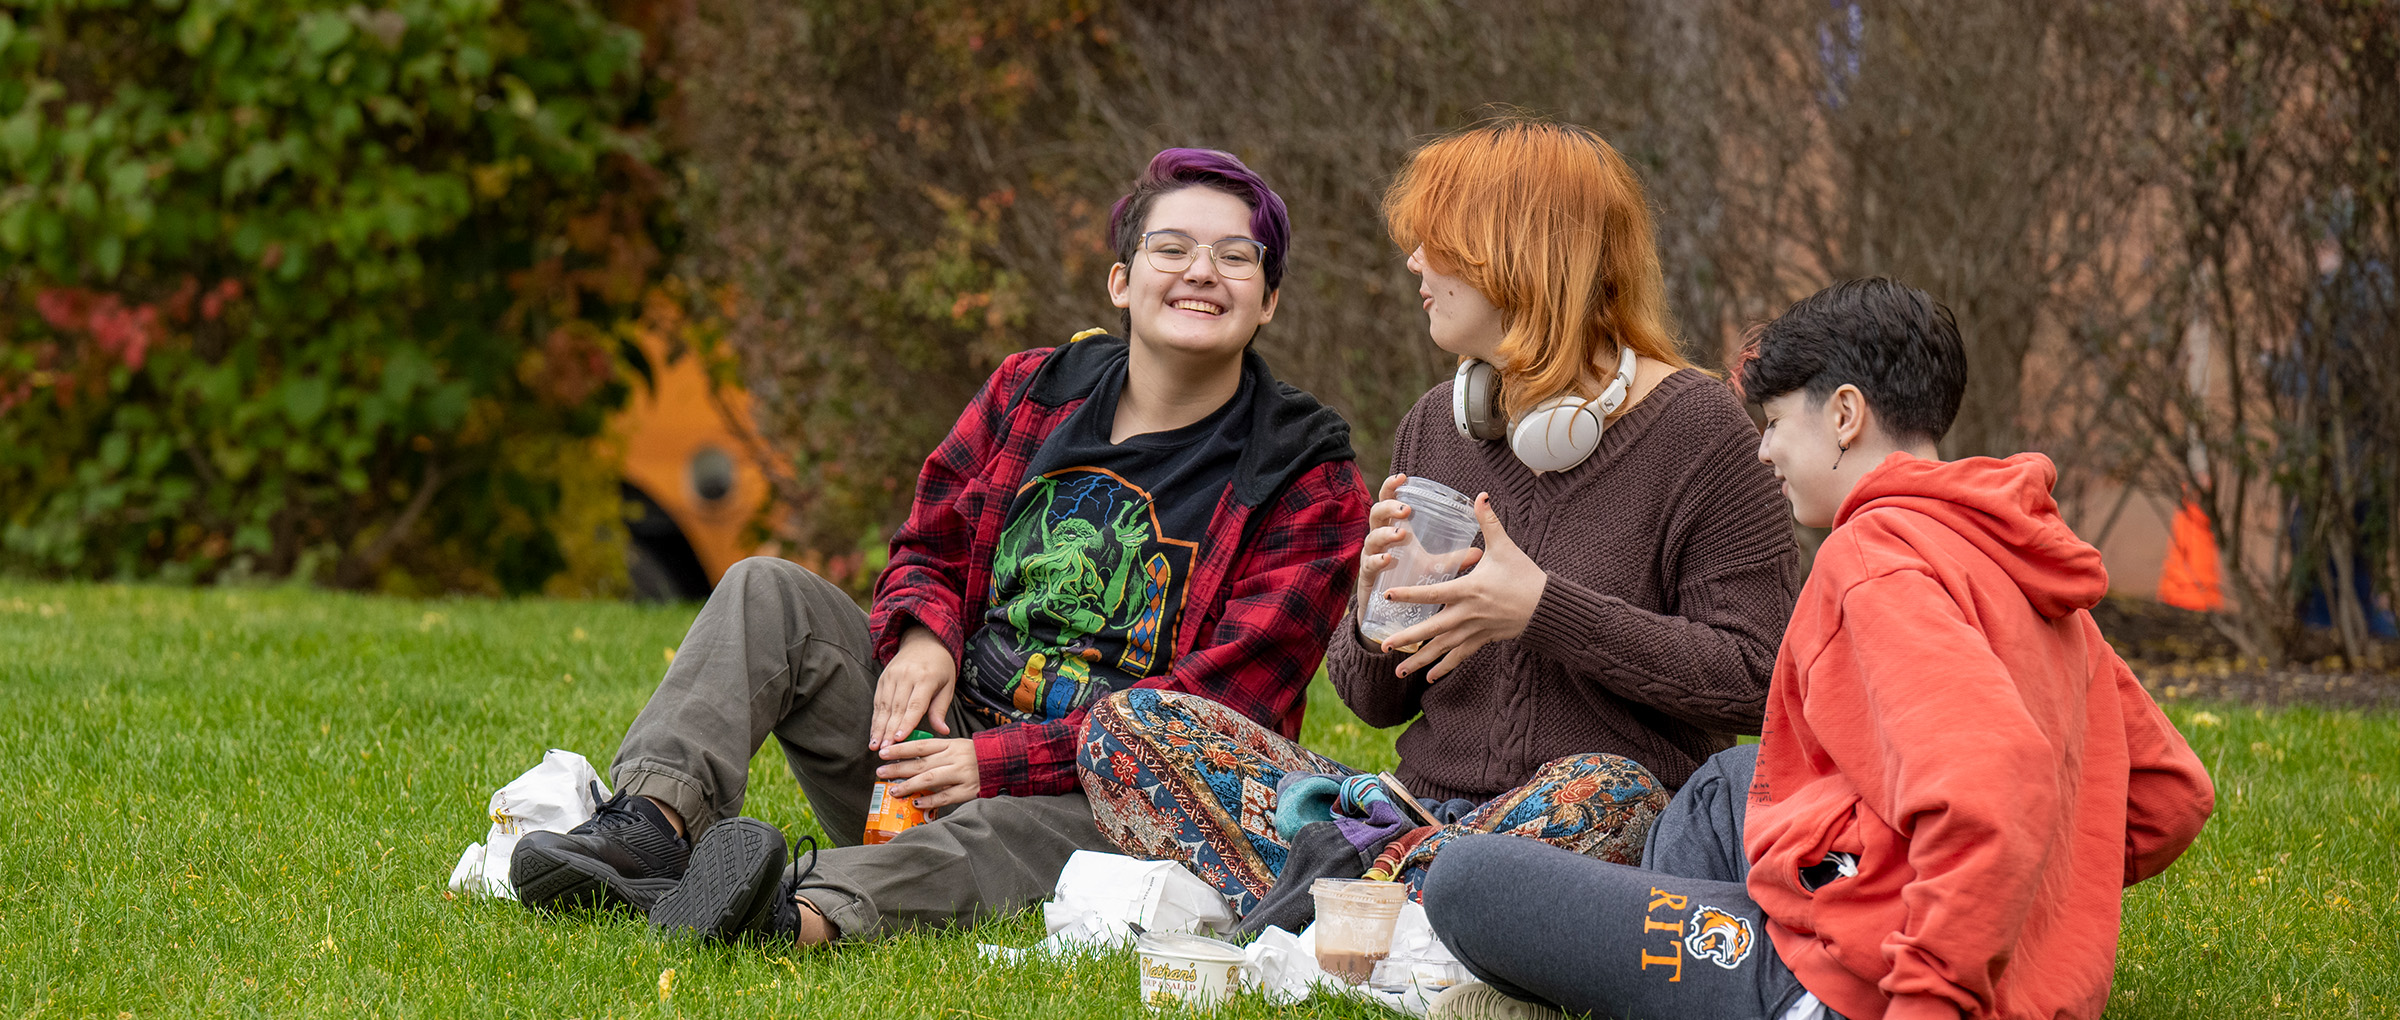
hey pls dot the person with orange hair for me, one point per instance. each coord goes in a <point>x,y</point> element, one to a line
<point>1617,626</point>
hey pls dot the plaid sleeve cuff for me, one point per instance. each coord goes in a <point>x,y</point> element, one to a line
<point>892,620</point>
<point>1027,759</point>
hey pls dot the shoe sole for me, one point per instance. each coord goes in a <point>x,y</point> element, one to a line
<point>550,878</point>
<point>730,884</point>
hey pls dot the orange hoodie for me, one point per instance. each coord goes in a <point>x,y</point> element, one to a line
<point>1944,708</point>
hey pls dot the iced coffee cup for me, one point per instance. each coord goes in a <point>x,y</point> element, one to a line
<point>1354,924</point>
<point>1438,531</point>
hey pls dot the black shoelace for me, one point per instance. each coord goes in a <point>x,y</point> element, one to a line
<point>787,911</point>
<point>811,869</point>
<point>612,808</point>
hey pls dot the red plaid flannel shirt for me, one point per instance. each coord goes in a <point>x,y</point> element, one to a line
<point>1271,600</point>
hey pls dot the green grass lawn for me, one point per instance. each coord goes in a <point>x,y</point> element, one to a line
<point>246,802</point>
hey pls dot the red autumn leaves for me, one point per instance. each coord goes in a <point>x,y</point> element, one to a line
<point>126,332</point>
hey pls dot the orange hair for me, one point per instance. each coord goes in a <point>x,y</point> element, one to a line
<point>1549,224</point>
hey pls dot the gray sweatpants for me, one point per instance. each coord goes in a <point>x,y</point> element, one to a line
<point>779,651</point>
<point>1677,937</point>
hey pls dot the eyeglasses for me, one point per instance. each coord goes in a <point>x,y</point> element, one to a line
<point>1171,251</point>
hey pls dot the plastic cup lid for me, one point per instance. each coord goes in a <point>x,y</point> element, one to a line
<point>1432,491</point>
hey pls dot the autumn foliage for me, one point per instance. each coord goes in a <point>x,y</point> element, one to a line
<point>2168,227</point>
<point>347,291</point>
<point>295,286</point>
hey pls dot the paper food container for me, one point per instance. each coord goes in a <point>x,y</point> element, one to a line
<point>1201,972</point>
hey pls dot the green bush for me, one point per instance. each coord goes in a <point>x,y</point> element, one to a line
<point>298,286</point>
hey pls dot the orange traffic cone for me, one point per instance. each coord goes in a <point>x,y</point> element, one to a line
<point>2189,578</point>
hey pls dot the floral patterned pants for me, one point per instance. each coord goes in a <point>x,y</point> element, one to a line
<point>1178,777</point>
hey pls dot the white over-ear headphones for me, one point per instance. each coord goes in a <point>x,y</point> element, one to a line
<point>1556,434</point>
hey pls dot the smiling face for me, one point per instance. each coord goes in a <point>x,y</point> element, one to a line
<point>1195,312</point>
<point>1461,319</point>
<point>1802,444</point>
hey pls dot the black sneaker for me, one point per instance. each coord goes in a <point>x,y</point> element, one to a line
<point>784,920</point>
<point>626,854</point>
<point>732,886</point>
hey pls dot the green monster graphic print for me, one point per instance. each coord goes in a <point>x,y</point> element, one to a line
<point>1086,591</point>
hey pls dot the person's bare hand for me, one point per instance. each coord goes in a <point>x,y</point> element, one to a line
<point>934,773</point>
<point>916,685</point>
<point>1383,532</point>
<point>1493,601</point>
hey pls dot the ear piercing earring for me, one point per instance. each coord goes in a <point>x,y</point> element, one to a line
<point>1837,456</point>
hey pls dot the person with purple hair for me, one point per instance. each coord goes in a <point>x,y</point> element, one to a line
<point>1154,510</point>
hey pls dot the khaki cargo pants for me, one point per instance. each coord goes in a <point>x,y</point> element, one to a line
<point>779,651</point>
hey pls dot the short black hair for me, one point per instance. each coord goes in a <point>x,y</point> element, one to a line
<point>1897,344</point>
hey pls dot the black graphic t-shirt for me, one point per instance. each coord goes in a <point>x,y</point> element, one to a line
<point>1089,576</point>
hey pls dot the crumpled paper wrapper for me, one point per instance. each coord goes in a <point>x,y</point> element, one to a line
<point>1283,966</point>
<point>553,796</point>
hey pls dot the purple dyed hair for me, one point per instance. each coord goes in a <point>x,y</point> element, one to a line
<point>1176,169</point>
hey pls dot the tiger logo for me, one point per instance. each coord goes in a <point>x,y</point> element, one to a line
<point>1719,937</point>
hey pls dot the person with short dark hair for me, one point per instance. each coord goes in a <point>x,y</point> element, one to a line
<point>1152,512</point>
<point>1957,777</point>
<point>1898,346</point>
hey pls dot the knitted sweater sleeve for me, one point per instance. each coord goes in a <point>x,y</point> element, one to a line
<point>1364,676</point>
<point>1735,580</point>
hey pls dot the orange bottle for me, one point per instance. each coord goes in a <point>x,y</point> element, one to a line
<point>888,815</point>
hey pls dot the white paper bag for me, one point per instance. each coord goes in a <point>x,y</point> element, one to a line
<point>553,796</point>
<point>1111,897</point>
<point>1102,901</point>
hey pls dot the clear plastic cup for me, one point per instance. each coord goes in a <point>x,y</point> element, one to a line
<point>1355,917</point>
<point>1438,531</point>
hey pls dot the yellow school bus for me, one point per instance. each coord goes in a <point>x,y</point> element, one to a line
<point>693,483</point>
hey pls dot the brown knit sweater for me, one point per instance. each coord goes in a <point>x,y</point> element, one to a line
<point>1671,574</point>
